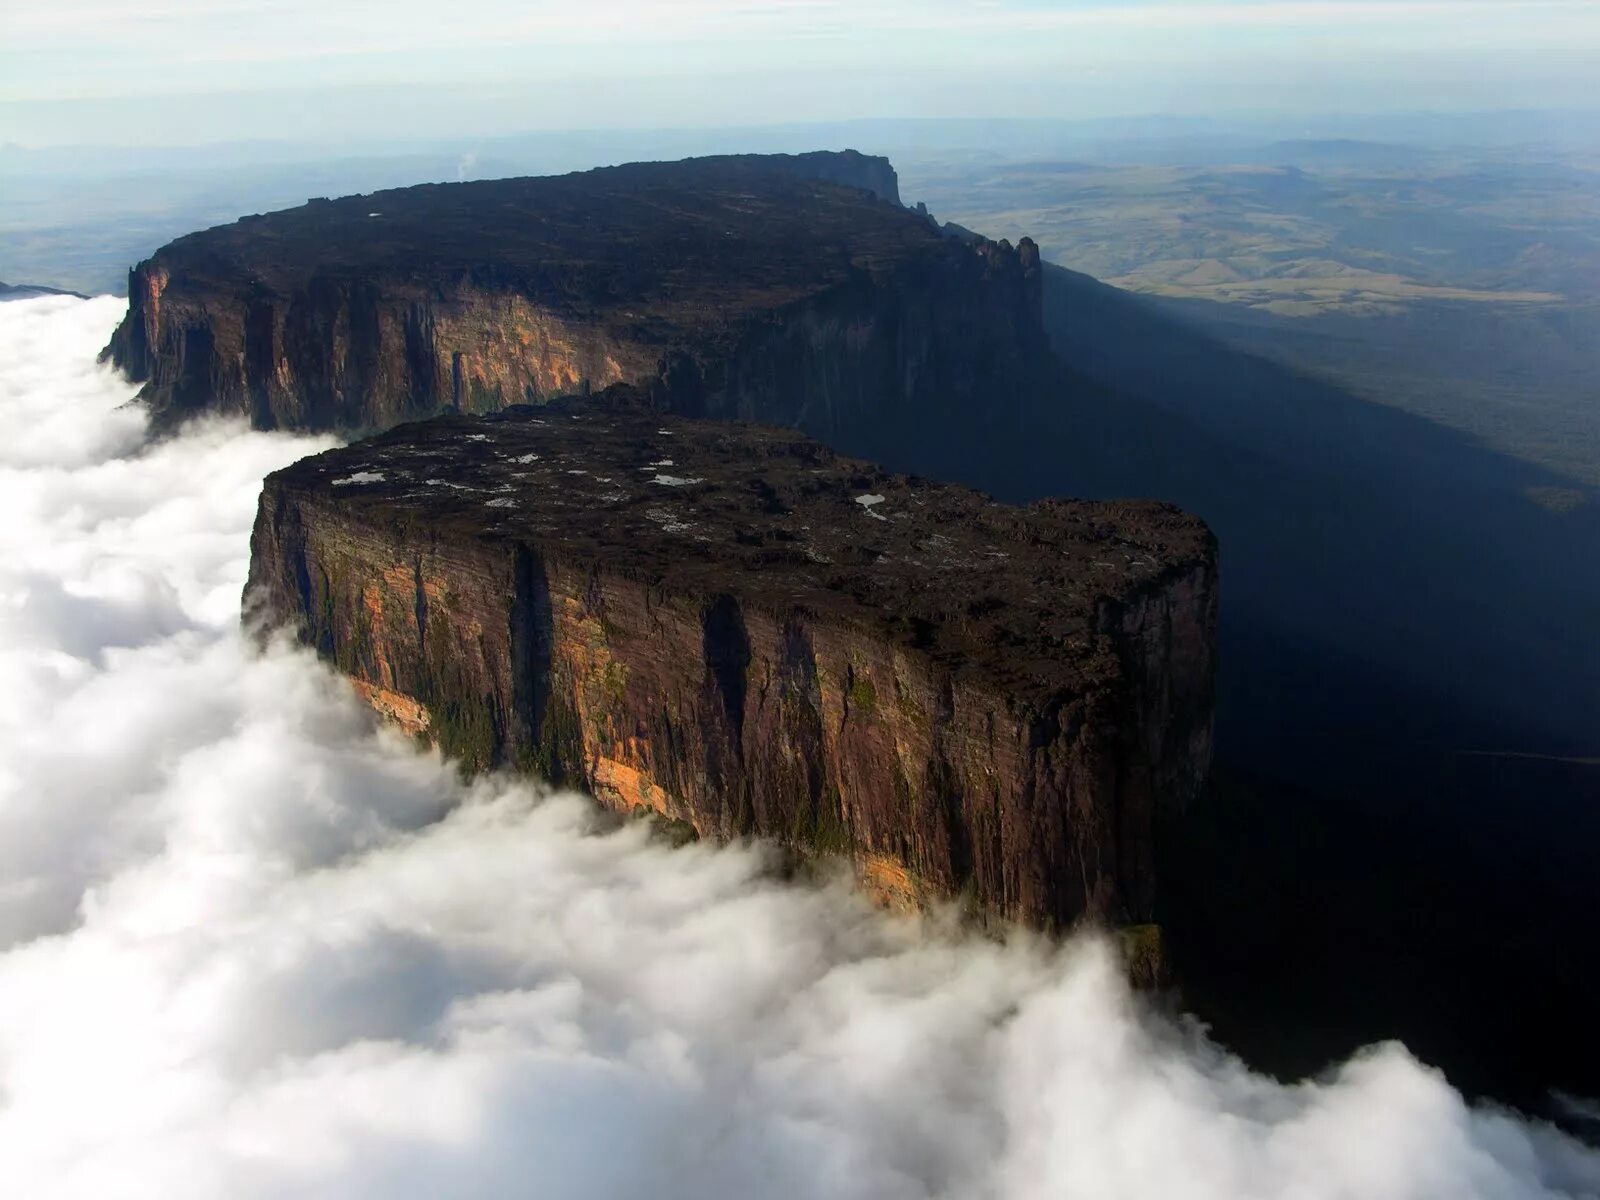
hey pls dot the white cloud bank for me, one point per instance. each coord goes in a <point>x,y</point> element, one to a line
<point>239,956</point>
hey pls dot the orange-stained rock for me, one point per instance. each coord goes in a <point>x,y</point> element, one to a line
<point>744,632</point>
<point>790,289</point>
<point>405,711</point>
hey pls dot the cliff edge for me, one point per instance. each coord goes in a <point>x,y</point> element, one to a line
<point>743,631</point>
<point>790,289</point>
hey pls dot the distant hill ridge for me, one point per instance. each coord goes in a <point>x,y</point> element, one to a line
<point>25,291</point>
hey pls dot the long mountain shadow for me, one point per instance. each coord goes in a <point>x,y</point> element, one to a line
<point>1388,548</point>
<point>1397,613</point>
<point>1401,623</point>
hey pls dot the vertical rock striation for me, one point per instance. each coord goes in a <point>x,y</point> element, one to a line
<point>790,288</point>
<point>739,630</point>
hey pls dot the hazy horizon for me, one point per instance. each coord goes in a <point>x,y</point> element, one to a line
<point>196,71</point>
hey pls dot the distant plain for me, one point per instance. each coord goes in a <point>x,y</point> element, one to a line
<point>1460,285</point>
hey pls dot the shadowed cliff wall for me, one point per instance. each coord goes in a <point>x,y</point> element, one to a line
<point>770,703</point>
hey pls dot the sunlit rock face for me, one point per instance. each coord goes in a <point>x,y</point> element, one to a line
<point>742,631</point>
<point>792,289</point>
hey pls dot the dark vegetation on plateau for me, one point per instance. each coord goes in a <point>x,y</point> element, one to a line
<point>756,636</point>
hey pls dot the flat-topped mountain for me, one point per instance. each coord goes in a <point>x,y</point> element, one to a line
<point>746,632</point>
<point>793,289</point>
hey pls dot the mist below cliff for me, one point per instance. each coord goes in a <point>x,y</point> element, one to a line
<point>253,945</point>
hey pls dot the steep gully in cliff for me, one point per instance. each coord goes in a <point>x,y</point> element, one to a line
<point>743,287</point>
<point>969,700</point>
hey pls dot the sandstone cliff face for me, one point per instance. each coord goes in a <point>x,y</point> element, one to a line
<point>793,288</point>
<point>747,634</point>
<point>849,168</point>
<point>943,345</point>
<point>348,354</point>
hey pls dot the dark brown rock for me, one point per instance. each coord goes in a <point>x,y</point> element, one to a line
<point>791,289</point>
<point>751,635</point>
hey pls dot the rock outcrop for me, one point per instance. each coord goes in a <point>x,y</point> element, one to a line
<point>791,289</point>
<point>738,629</point>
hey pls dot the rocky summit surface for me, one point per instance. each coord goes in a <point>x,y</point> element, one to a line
<point>749,634</point>
<point>794,289</point>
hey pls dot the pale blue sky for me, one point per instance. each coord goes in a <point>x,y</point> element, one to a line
<point>174,71</point>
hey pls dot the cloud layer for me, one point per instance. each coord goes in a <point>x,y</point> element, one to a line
<point>241,954</point>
